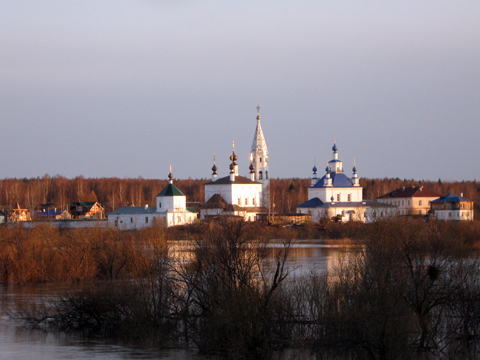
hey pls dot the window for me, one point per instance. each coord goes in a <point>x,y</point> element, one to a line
<point>260,175</point>
<point>146,220</point>
<point>402,203</point>
<point>266,174</point>
<point>260,159</point>
<point>408,202</point>
<point>131,220</point>
<point>246,201</point>
<point>253,201</point>
<point>159,205</point>
<point>349,197</point>
<point>338,197</point>
<point>419,202</point>
<point>239,202</point>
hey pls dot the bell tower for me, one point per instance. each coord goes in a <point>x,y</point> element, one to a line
<point>260,161</point>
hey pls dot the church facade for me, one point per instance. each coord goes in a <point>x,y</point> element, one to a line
<point>236,195</point>
<point>337,197</point>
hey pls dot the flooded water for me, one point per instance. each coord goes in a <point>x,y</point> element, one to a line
<point>20,342</point>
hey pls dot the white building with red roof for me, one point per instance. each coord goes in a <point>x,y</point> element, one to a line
<point>410,200</point>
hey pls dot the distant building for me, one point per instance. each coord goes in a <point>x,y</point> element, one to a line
<point>452,207</point>
<point>51,214</point>
<point>411,200</point>
<point>170,211</point>
<point>19,214</point>
<point>339,198</point>
<point>236,195</point>
<point>233,195</point>
<point>87,210</point>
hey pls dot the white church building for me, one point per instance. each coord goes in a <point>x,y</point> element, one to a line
<point>338,197</point>
<point>171,210</point>
<point>236,195</point>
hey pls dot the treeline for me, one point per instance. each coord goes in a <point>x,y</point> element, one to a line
<point>405,289</point>
<point>114,193</point>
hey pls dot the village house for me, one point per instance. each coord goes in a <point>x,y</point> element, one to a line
<point>51,214</point>
<point>19,214</point>
<point>452,207</point>
<point>87,210</point>
<point>411,200</point>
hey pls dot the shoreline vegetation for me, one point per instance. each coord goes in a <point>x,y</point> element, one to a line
<point>114,193</point>
<point>406,289</point>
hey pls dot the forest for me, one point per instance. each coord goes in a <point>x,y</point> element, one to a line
<point>115,193</point>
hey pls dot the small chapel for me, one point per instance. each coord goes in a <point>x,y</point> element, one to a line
<point>337,197</point>
<point>238,196</point>
<point>171,210</point>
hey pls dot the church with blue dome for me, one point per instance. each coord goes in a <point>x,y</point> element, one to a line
<point>338,197</point>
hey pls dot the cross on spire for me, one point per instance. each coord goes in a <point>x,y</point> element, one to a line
<point>258,109</point>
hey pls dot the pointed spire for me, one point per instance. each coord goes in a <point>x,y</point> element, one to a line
<point>170,176</point>
<point>334,148</point>
<point>233,157</point>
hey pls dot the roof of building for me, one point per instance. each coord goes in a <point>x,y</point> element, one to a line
<point>452,198</point>
<point>133,210</point>
<point>215,202</point>
<point>170,190</point>
<point>226,180</point>
<point>49,212</point>
<point>87,204</point>
<point>317,203</point>
<point>138,210</point>
<point>338,180</point>
<point>218,202</point>
<point>410,191</point>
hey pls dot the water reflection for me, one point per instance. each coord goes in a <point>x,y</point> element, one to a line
<point>20,342</point>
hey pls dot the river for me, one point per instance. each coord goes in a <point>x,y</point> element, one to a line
<point>20,342</point>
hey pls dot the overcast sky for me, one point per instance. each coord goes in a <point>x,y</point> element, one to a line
<point>125,88</point>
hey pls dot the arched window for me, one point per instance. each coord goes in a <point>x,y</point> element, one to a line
<point>260,175</point>
<point>266,174</point>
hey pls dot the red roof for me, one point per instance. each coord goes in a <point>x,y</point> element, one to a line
<point>411,191</point>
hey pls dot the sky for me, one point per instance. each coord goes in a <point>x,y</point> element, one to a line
<point>126,88</point>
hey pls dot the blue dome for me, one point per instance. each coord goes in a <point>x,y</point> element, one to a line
<point>338,180</point>
<point>334,148</point>
<point>354,169</point>
<point>314,169</point>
